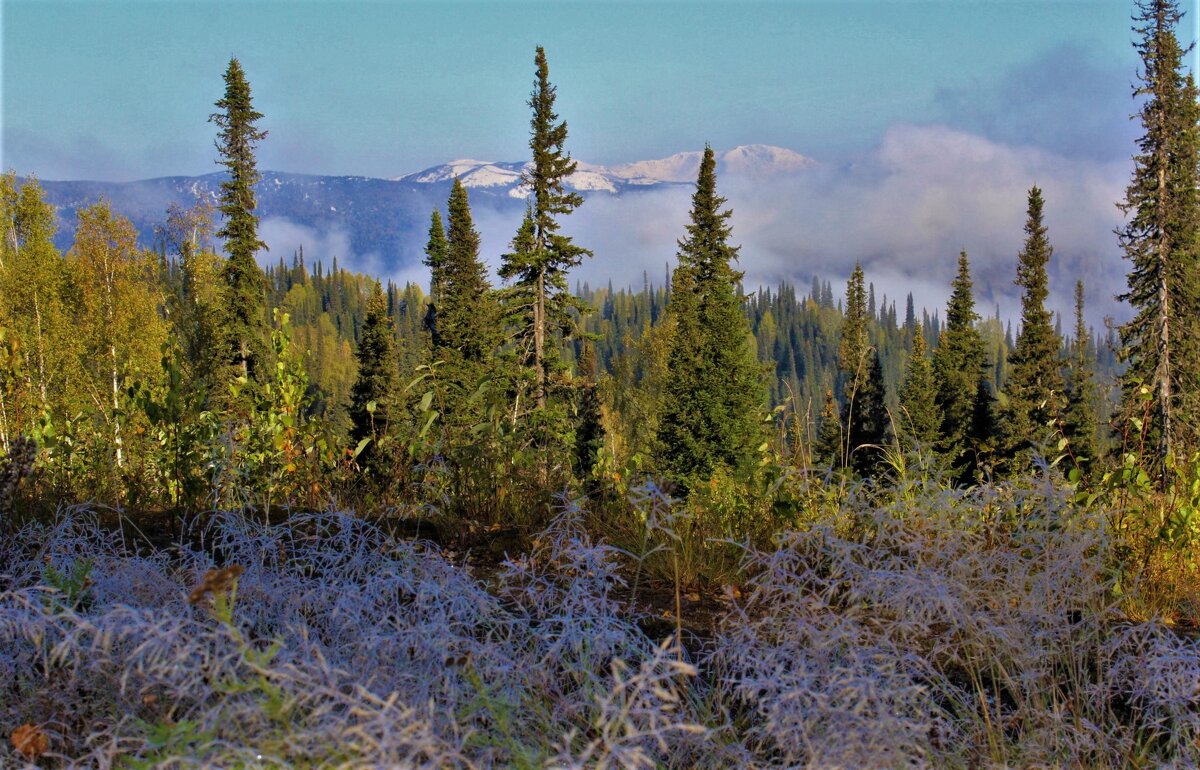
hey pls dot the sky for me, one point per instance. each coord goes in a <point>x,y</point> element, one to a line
<point>930,119</point>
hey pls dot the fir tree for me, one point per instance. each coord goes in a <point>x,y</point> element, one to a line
<point>540,302</point>
<point>374,391</point>
<point>918,399</point>
<point>959,366</point>
<point>244,312</point>
<point>714,387</point>
<point>1161,239</point>
<point>1080,420</point>
<point>1035,385</point>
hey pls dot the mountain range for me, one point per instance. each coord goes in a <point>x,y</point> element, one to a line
<point>387,217</point>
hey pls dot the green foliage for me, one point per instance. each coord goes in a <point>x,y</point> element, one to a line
<point>244,306</point>
<point>373,397</point>
<point>1079,422</point>
<point>1162,239</point>
<point>919,420</point>
<point>71,584</point>
<point>959,369</point>
<point>865,424</point>
<point>714,392</point>
<point>538,306</point>
<point>1035,385</point>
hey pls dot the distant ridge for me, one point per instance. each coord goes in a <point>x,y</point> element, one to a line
<point>388,218</point>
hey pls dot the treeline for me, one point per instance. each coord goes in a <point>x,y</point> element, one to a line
<point>181,378</point>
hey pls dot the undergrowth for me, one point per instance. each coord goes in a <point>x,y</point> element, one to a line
<point>922,627</point>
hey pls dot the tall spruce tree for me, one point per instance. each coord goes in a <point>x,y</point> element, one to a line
<point>540,303</point>
<point>1080,419</point>
<point>1161,239</point>
<point>714,387</point>
<point>244,311</point>
<point>435,260</point>
<point>864,414</point>
<point>373,395</point>
<point>960,369</point>
<point>920,421</point>
<point>467,314</point>
<point>827,449</point>
<point>1035,385</point>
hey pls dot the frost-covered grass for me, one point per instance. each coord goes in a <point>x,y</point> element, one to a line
<point>943,628</point>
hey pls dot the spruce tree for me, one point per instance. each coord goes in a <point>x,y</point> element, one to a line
<point>714,391</point>
<point>1035,385</point>
<point>539,302</point>
<point>373,395</point>
<point>589,425</point>
<point>827,451</point>
<point>1161,240</point>
<point>435,260</point>
<point>920,420</point>
<point>467,315</point>
<point>864,414</point>
<point>244,311</point>
<point>1080,419</point>
<point>960,370</point>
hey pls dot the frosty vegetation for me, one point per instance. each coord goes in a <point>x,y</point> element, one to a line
<point>936,627</point>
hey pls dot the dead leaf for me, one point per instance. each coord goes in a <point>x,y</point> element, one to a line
<point>30,741</point>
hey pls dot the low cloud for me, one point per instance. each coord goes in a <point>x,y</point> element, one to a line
<point>904,210</point>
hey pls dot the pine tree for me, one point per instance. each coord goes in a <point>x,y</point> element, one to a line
<point>1161,239</point>
<point>540,302</point>
<point>714,387</point>
<point>1080,420</point>
<point>435,260</point>
<point>373,394</point>
<point>920,420</point>
<point>245,285</point>
<point>960,370</point>
<point>1035,385</point>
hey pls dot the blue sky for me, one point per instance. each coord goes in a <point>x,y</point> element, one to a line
<point>122,90</point>
<point>930,119</point>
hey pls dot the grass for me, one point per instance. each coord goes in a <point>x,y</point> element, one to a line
<point>917,627</point>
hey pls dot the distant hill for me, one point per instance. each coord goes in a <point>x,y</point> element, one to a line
<point>388,217</point>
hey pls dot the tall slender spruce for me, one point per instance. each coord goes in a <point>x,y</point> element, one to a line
<point>1162,239</point>
<point>1079,423</point>
<point>373,394</point>
<point>714,385</point>
<point>960,369</point>
<point>919,421</point>
<point>435,260</point>
<point>1035,384</point>
<point>863,414</point>
<point>540,303</point>
<point>245,317</point>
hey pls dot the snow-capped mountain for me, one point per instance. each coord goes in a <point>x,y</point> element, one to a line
<point>757,160</point>
<point>388,218</point>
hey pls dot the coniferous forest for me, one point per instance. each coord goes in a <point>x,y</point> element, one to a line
<point>258,510</point>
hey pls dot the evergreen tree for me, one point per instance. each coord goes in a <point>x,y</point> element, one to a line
<point>540,302</point>
<point>435,260</point>
<point>245,285</point>
<point>864,414</point>
<point>1161,239</point>
<point>467,317</point>
<point>1035,383</point>
<point>589,425</point>
<point>714,386</point>
<point>918,399</point>
<point>960,370</point>
<point>827,451</point>
<point>1080,420</point>
<point>373,394</point>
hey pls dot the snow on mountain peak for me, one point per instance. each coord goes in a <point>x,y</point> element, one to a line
<point>751,159</point>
